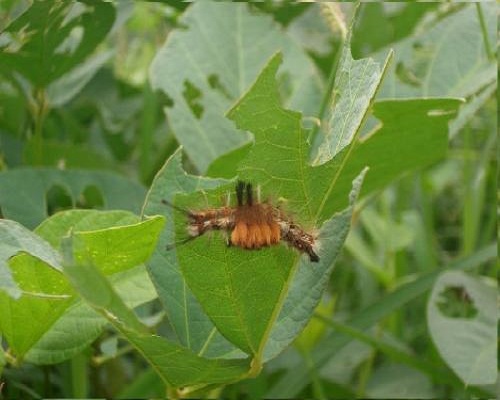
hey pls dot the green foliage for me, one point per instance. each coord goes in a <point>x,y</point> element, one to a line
<point>56,44</point>
<point>469,342</point>
<point>43,300</point>
<point>204,71</point>
<point>378,133</point>
<point>24,191</point>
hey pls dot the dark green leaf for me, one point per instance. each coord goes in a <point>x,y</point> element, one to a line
<point>51,38</point>
<point>23,191</point>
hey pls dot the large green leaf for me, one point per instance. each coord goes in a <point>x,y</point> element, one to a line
<point>278,161</point>
<point>116,240</point>
<point>50,38</point>
<point>243,292</point>
<point>176,365</point>
<point>23,191</point>
<point>14,239</point>
<point>468,343</point>
<point>207,66</point>
<point>193,328</point>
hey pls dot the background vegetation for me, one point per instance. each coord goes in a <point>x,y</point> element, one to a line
<point>93,102</point>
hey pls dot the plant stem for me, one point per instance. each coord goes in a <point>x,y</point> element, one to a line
<point>484,30</point>
<point>79,376</point>
<point>39,111</point>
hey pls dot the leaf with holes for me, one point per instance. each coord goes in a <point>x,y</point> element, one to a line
<point>204,70</point>
<point>23,191</point>
<point>252,297</point>
<point>462,317</point>
<point>51,38</point>
<point>450,56</point>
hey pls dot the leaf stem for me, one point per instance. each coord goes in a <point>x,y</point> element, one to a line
<point>484,30</point>
<point>39,112</point>
<point>79,376</point>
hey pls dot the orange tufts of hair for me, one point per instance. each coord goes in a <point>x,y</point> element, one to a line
<point>275,233</point>
<point>265,230</point>
<point>239,234</point>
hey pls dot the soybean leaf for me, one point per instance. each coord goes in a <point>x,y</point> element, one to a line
<point>69,85</point>
<point>278,161</point>
<point>465,337</point>
<point>23,191</point>
<point>45,292</point>
<point>118,248</point>
<point>193,328</point>
<point>447,58</point>
<point>14,238</point>
<point>72,155</point>
<point>207,66</point>
<point>80,325</point>
<point>245,298</point>
<point>50,38</point>
<point>308,283</point>
<point>356,84</point>
<point>176,365</point>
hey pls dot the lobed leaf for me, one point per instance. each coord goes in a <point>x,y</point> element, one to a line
<point>278,161</point>
<point>204,70</point>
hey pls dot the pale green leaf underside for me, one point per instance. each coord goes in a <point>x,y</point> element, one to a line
<point>23,194</point>
<point>446,59</point>
<point>468,345</point>
<point>355,87</point>
<point>221,51</point>
<point>14,238</point>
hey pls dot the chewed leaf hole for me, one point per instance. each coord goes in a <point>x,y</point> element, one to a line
<point>91,197</point>
<point>439,113</point>
<point>58,199</point>
<point>455,302</point>
<point>406,75</point>
<point>164,99</point>
<point>215,83</point>
<point>192,95</point>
